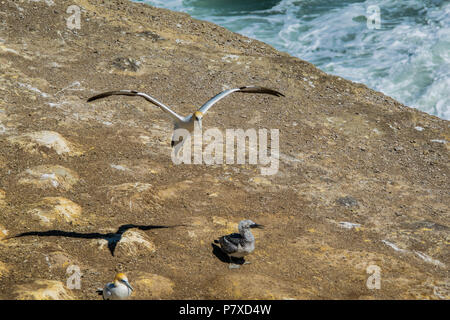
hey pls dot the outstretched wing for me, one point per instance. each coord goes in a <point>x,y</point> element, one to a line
<point>139,94</point>
<point>246,89</point>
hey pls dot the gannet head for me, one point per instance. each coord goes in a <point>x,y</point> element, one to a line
<point>121,278</point>
<point>245,224</point>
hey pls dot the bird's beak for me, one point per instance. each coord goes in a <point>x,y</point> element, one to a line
<point>128,285</point>
<point>259,226</point>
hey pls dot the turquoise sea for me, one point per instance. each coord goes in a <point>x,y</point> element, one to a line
<point>398,47</point>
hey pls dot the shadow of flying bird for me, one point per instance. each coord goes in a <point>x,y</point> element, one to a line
<point>112,238</point>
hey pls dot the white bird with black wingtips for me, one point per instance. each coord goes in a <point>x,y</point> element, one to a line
<point>189,121</point>
<point>119,289</point>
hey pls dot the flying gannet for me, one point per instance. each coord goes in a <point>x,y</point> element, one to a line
<point>238,245</point>
<point>120,289</point>
<point>189,121</point>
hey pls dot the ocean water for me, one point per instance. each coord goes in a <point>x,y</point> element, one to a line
<point>398,47</point>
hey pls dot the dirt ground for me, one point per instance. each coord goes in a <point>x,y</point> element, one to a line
<point>363,180</point>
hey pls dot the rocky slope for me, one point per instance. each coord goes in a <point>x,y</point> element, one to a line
<point>363,180</point>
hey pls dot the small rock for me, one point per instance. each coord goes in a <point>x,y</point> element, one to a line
<point>261,181</point>
<point>50,139</point>
<point>439,141</point>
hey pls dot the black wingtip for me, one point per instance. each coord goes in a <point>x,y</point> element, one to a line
<point>98,96</point>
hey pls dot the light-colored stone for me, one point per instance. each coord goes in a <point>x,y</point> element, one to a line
<point>56,209</point>
<point>50,139</point>
<point>241,286</point>
<point>174,190</point>
<point>134,242</point>
<point>128,188</point>
<point>4,269</point>
<point>59,260</point>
